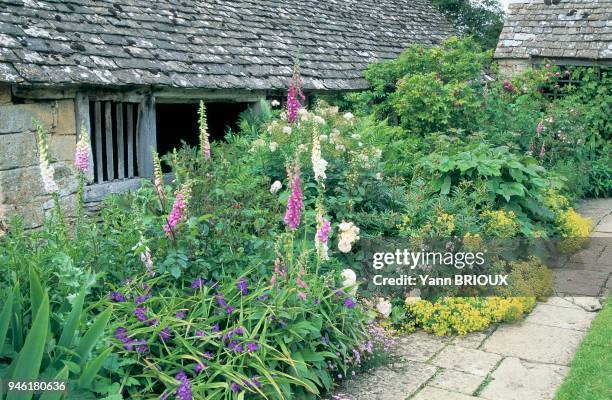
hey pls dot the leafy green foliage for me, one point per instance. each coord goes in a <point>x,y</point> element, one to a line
<point>483,20</point>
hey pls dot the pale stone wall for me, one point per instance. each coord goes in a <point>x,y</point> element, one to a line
<point>21,188</point>
<point>511,67</point>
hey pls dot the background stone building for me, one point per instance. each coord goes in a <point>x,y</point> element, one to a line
<point>132,72</point>
<point>564,32</point>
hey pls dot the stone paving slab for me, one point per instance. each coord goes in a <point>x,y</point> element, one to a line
<point>534,342</point>
<point>579,282</point>
<point>568,318</point>
<point>470,341</point>
<point>431,393</point>
<point>419,346</point>
<point>457,381</point>
<point>472,361</point>
<point>391,382</point>
<point>605,225</point>
<point>516,379</point>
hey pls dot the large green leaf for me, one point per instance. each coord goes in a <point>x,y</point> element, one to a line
<point>92,368</point>
<point>61,376</point>
<point>72,323</point>
<point>5,319</point>
<point>36,291</point>
<point>91,337</point>
<point>30,356</point>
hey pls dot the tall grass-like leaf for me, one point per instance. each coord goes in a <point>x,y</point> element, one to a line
<point>30,356</point>
<point>5,319</point>
<point>73,320</point>
<point>89,339</point>
<point>92,368</point>
<point>61,376</point>
<point>36,291</point>
<point>17,325</point>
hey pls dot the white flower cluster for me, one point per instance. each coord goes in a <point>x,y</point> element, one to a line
<point>275,187</point>
<point>319,165</point>
<point>384,307</point>
<point>350,279</point>
<point>47,171</point>
<point>349,234</point>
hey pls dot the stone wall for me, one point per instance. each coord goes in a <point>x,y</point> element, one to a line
<point>510,67</point>
<point>21,188</point>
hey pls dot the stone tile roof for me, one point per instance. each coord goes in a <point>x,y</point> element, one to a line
<point>212,44</point>
<point>560,29</point>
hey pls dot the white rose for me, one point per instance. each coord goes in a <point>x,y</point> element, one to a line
<point>319,120</point>
<point>273,146</point>
<point>384,307</point>
<point>275,103</point>
<point>350,278</point>
<point>349,116</point>
<point>275,187</point>
<point>287,130</point>
<point>344,246</point>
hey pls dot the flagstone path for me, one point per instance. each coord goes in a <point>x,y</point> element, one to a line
<point>522,361</point>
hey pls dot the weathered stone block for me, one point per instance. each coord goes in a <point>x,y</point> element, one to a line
<point>472,361</point>
<point>516,379</point>
<point>18,150</point>
<point>65,123</point>
<point>19,185</point>
<point>5,95</point>
<point>457,381</point>
<point>62,147</point>
<point>17,118</point>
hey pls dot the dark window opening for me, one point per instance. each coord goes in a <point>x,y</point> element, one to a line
<point>113,140</point>
<point>179,122</point>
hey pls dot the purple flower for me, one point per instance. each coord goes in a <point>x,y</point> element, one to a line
<point>215,328</point>
<point>339,293</point>
<point>207,354</point>
<point>184,390</point>
<point>142,299</point>
<point>349,303</point>
<point>295,201</point>
<point>235,347</point>
<point>199,333</point>
<point>295,91</point>
<point>221,300</point>
<point>252,347</point>
<point>242,286</point>
<point>164,335</point>
<point>121,333</point>
<point>176,215</point>
<point>180,314</point>
<point>325,340</point>
<point>235,387</point>
<point>141,313</point>
<point>263,297</point>
<point>239,331</point>
<point>198,368</point>
<point>142,348</point>
<point>323,232</point>
<point>230,309</point>
<point>197,283</point>
<point>116,297</point>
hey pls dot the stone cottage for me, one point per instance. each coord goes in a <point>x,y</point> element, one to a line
<point>564,32</point>
<point>132,72</point>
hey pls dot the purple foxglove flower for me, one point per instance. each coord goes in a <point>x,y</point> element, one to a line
<point>323,232</point>
<point>179,207</point>
<point>295,201</point>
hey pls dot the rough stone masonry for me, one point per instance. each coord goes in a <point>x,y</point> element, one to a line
<point>21,189</point>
